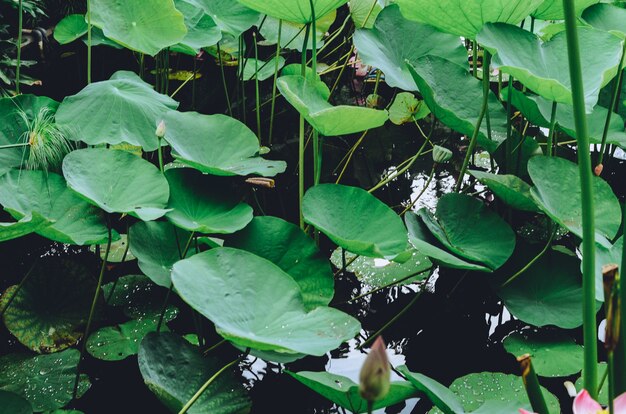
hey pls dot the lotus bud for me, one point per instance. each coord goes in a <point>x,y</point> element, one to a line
<point>374,101</point>
<point>441,155</point>
<point>598,170</point>
<point>375,373</point>
<point>160,131</point>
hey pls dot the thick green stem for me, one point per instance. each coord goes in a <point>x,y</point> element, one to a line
<point>620,349</point>
<point>550,144</point>
<point>273,110</point>
<point>160,154</point>
<point>301,140</point>
<point>317,155</point>
<point>88,42</point>
<point>223,76</point>
<point>20,23</point>
<point>509,128</point>
<point>614,96</point>
<point>584,163</point>
<point>531,383</point>
<point>256,88</point>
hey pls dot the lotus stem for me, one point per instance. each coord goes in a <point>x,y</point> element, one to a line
<point>273,110</point>
<point>317,155</point>
<point>531,383</point>
<point>584,164</point>
<point>301,135</point>
<point>88,42</point>
<point>509,127</point>
<point>612,304</point>
<point>550,143</point>
<point>223,76</point>
<point>20,24</point>
<point>620,350</point>
<point>256,87</point>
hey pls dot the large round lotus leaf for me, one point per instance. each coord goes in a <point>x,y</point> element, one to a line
<point>205,204</point>
<point>345,393</point>
<point>476,390</point>
<point>407,108</point>
<point>365,12</point>
<point>561,198</point>
<point>439,395</point>
<point>607,17</point>
<point>469,229</point>
<point>386,48</point>
<point>99,39</point>
<point>27,225</point>
<point>439,81</point>
<point>466,17</point>
<point>46,381</point>
<point>157,246</point>
<point>13,128</point>
<point>145,26</point>
<point>138,297</point>
<point>605,256</point>
<point>223,285</point>
<point>542,66</point>
<point>285,245</point>
<point>231,17</point>
<point>202,31</point>
<point>355,220</point>
<point>14,404</point>
<point>292,34</point>
<point>310,99</point>
<point>117,182</point>
<point>553,9</point>
<point>261,70</point>
<point>421,238</point>
<point>296,11</point>
<point>121,109</point>
<point>511,189</point>
<point>548,293</point>
<point>23,193</point>
<point>553,353</point>
<point>195,137</point>
<point>70,28</point>
<point>382,272</point>
<point>48,312</point>
<point>173,369</point>
<point>115,343</point>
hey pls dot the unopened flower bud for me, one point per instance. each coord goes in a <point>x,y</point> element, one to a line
<point>598,170</point>
<point>160,131</point>
<point>375,374</point>
<point>441,154</point>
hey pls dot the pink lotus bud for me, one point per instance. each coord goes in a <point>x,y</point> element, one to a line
<point>160,131</point>
<point>375,374</point>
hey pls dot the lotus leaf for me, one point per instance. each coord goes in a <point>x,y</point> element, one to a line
<point>27,225</point>
<point>70,28</point>
<point>202,31</point>
<point>296,11</point>
<point>292,34</point>
<point>553,9</point>
<point>514,191</point>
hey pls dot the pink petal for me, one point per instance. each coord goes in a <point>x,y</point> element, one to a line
<point>522,411</point>
<point>619,404</point>
<point>584,404</point>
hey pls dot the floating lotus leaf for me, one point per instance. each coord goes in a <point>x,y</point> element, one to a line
<point>202,31</point>
<point>157,246</point>
<point>75,221</point>
<point>553,9</point>
<point>562,200</point>
<point>407,108</point>
<point>115,343</point>
<point>542,66</point>
<point>514,191</point>
<point>254,68</point>
<point>288,247</point>
<point>607,17</point>
<point>439,81</point>
<point>138,297</point>
<point>205,204</point>
<point>605,256</point>
<point>553,353</point>
<point>70,28</point>
<point>421,238</point>
<point>292,34</point>
<point>461,223</point>
<point>345,393</point>
<point>46,381</point>
<point>218,145</point>
<point>223,285</point>
<point>27,225</point>
<point>386,48</point>
<point>174,370</point>
<point>231,17</point>
<point>355,220</point>
<point>117,182</point>
<point>296,11</point>
<point>310,99</point>
<point>439,395</point>
<point>123,109</point>
<point>145,26</point>
<point>466,17</point>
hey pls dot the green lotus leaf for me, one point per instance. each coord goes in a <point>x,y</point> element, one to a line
<point>223,285</point>
<point>27,225</point>
<point>174,370</point>
<point>365,12</point>
<point>461,223</point>
<point>439,81</point>
<point>310,99</point>
<point>542,66</point>
<point>355,220</point>
<point>553,353</point>
<point>439,395</point>
<point>60,411</point>
<point>421,238</point>
<point>75,221</point>
<point>466,17</point>
<point>45,381</point>
<point>255,68</point>
<point>99,39</point>
<point>205,204</point>
<point>202,31</point>
<point>548,293</point>
<point>381,272</point>
<point>407,108</point>
<point>288,247</point>
<point>157,246</point>
<point>562,199</point>
<point>95,114</point>
<point>292,34</point>
<point>14,404</point>
<point>116,343</point>
<point>553,9</point>
<point>70,28</point>
<point>296,11</point>
<point>145,26</point>
<point>480,389</point>
<point>231,17</point>
<point>386,48</point>
<point>117,182</point>
<point>607,17</point>
<point>194,138</point>
<point>138,297</point>
<point>14,129</point>
<point>605,256</point>
<point>511,189</point>
<point>345,393</point>
<point>48,312</point>
<point>119,252</point>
